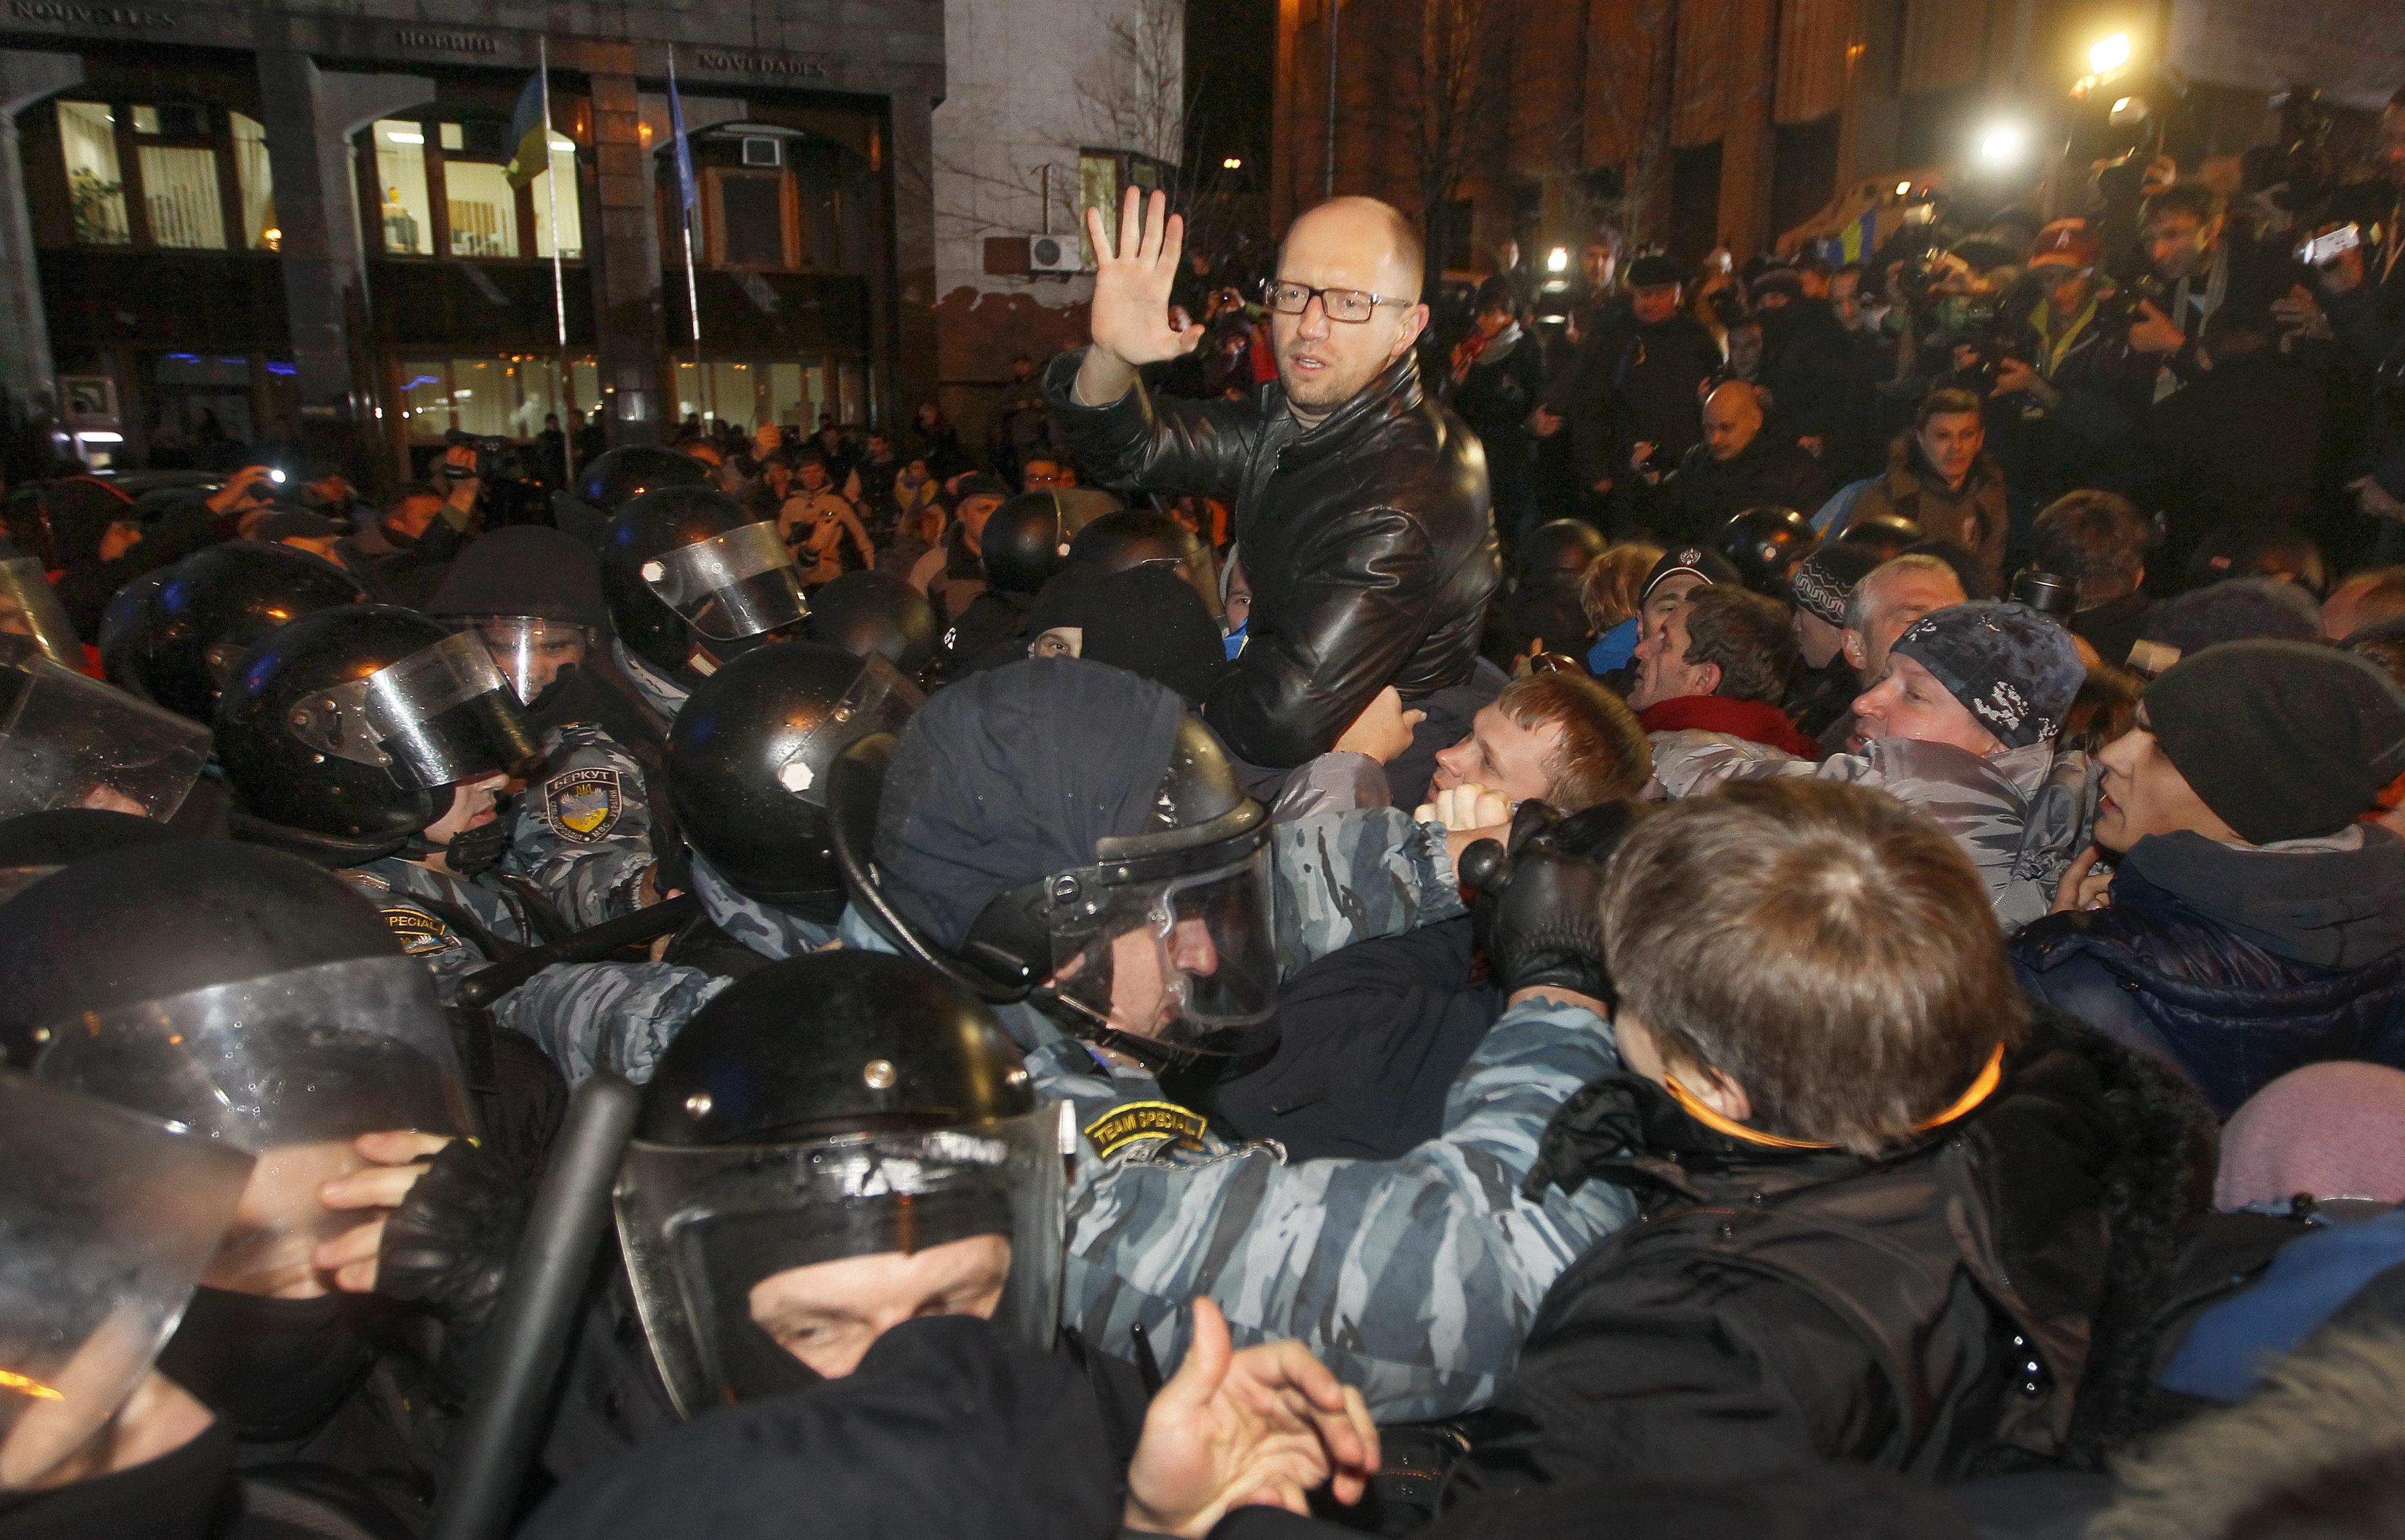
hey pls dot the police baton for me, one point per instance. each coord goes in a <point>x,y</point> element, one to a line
<point>509,1411</point>
<point>591,945</point>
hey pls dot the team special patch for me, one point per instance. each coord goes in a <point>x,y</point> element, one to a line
<point>583,804</point>
<point>1142,1122</point>
<point>418,933</point>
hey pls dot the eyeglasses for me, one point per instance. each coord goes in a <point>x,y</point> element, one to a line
<point>1342,304</point>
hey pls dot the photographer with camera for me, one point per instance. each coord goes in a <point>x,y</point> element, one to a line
<point>2081,392</point>
<point>400,555</point>
<point>2188,266</point>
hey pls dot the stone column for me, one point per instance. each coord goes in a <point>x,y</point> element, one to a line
<point>906,334</point>
<point>624,268</point>
<point>27,368</point>
<point>1748,140</point>
<point>310,115</point>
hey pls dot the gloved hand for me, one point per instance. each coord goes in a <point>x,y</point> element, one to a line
<point>1540,909</point>
<point>451,1240</point>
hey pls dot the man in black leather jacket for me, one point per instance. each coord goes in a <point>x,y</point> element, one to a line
<point>1361,504</point>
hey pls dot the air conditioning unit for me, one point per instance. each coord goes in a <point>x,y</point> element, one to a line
<point>762,150</point>
<point>1054,254</point>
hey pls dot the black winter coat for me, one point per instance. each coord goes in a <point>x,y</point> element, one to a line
<point>1368,540</point>
<point>1963,1306</point>
<point>1769,472</point>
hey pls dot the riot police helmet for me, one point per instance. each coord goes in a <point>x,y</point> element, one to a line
<point>686,565</point>
<point>355,723</point>
<point>1764,543</point>
<point>834,1123</point>
<point>180,648</point>
<point>866,612</point>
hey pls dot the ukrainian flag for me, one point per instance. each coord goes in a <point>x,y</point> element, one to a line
<point>529,136</point>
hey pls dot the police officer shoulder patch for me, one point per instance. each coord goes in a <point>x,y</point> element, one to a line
<point>418,932</point>
<point>583,804</point>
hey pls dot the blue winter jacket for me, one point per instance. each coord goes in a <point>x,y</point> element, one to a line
<point>2236,964</point>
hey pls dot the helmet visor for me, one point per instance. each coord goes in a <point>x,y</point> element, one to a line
<point>1188,960</point>
<point>751,1263</point>
<point>440,716</point>
<point>68,741</point>
<point>528,651</point>
<point>30,608</point>
<point>741,583</point>
<point>292,1068</point>
<point>107,1220</point>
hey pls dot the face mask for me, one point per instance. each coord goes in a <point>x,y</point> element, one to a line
<point>477,851</point>
<point>181,1495</point>
<point>274,1368</point>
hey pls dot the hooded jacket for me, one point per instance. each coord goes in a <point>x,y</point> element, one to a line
<point>2020,816</point>
<point>1368,539</point>
<point>2238,965</point>
<point>1968,1304</point>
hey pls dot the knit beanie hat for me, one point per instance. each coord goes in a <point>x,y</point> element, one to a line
<point>2282,739</point>
<point>2335,1129</point>
<point>2241,609</point>
<point>1824,580</point>
<point>2013,669</point>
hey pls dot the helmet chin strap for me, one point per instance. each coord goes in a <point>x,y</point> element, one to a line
<point>1094,1026</point>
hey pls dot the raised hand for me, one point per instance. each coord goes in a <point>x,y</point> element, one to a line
<point>1265,1425</point>
<point>1130,309</point>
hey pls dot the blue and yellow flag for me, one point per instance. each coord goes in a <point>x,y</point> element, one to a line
<point>529,136</point>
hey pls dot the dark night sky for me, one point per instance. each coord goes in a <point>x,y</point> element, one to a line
<point>1231,70</point>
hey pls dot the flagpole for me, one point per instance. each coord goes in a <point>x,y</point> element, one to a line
<point>559,284</point>
<point>686,200</point>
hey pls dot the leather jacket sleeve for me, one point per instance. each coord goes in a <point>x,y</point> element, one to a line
<point>1361,606</point>
<point>1157,443</point>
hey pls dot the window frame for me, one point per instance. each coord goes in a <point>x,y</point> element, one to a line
<point>215,136</point>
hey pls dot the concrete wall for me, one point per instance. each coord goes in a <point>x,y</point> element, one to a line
<point>1029,83</point>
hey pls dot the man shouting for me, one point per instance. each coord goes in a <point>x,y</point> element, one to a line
<point>1361,504</point>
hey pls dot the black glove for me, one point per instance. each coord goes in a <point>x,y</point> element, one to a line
<point>450,1242</point>
<point>1540,909</point>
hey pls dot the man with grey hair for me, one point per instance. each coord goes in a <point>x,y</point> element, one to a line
<point>1896,593</point>
<point>1361,505</point>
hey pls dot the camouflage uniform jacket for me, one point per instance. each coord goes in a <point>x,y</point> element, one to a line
<point>423,908</point>
<point>662,691</point>
<point>621,1016</point>
<point>2020,815</point>
<point>1339,879</point>
<point>581,831</point>
<point>1415,1279</point>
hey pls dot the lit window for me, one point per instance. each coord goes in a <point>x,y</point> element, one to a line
<point>180,193</point>
<point>481,395</point>
<point>571,217</point>
<point>95,184</point>
<point>425,398</point>
<point>258,182</point>
<point>407,213</point>
<point>483,209</point>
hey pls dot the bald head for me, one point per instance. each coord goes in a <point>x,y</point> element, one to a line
<point>1358,247</point>
<point>1362,231</point>
<point>1732,416</point>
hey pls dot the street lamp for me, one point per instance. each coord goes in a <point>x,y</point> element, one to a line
<point>1558,259</point>
<point>2109,53</point>
<point>2001,145</point>
<point>1232,162</point>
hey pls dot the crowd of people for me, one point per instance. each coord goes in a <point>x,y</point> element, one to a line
<point>1768,901</point>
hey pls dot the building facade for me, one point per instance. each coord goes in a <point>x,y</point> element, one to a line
<point>1051,105</point>
<point>1697,123</point>
<point>296,222</point>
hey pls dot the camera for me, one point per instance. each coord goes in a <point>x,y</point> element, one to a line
<point>2050,594</point>
<point>2323,249</point>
